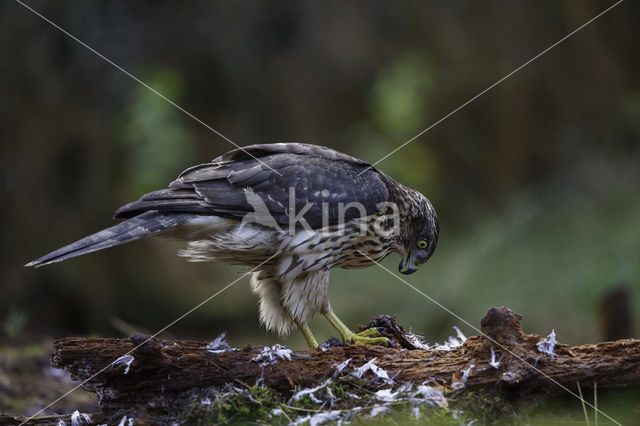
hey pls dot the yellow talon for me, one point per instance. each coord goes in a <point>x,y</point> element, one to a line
<point>369,336</point>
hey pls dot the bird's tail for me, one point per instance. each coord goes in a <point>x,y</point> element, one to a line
<point>143,225</point>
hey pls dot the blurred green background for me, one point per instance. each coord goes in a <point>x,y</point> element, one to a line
<point>536,183</point>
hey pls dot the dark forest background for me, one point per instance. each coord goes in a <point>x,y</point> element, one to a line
<point>536,183</point>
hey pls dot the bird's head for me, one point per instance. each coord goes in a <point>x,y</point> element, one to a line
<point>418,234</point>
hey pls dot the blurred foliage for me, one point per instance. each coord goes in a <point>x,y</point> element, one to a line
<point>15,322</point>
<point>156,139</point>
<point>535,183</point>
<point>400,95</point>
<point>398,105</point>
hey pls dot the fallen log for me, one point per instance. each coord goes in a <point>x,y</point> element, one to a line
<point>155,376</point>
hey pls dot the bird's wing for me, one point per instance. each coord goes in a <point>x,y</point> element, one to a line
<point>308,177</point>
<point>141,226</point>
<point>263,150</point>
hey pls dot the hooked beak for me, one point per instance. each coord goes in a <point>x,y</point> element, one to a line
<point>408,265</point>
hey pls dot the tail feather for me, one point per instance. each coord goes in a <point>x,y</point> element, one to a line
<point>144,225</point>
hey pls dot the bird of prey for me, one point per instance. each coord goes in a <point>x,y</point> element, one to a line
<point>292,212</point>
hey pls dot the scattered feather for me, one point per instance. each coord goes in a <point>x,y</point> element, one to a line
<point>311,392</point>
<point>328,416</point>
<point>57,373</point>
<point>459,333</point>
<point>126,360</point>
<point>405,388</point>
<point>458,386</point>
<point>378,409</point>
<point>123,421</point>
<point>416,340</point>
<point>454,342</point>
<point>377,371</point>
<point>451,344</point>
<point>318,419</point>
<point>219,345</point>
<point>465,373</point>
<point>330,396</point>
<point>386,395</point>
<point>205,401</point>
<point>415,411</point>
<point>338,368</point>
<point>301,420</point>
<point>270,355</point>
<point>495,364</point>
<point>432,396</point>
<point>548,344</point>
<point>78,418</point>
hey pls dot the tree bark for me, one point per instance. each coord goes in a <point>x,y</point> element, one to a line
<point>162,371</point>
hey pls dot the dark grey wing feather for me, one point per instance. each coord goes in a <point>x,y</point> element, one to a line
<point>218,188</point>
<point>141,226</point>
<point>253,152</point>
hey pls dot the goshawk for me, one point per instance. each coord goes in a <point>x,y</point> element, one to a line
<point>292,211</point>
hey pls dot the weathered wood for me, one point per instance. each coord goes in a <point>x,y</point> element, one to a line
<point>162,370</point>
<point>55,419</point>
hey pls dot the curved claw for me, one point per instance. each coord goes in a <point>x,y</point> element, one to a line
<point>370,336</point>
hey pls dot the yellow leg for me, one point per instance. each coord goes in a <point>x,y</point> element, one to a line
<point>349,336</point>
<point>308,336</point>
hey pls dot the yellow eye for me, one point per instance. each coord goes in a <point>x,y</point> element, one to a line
<point>422,244</point>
